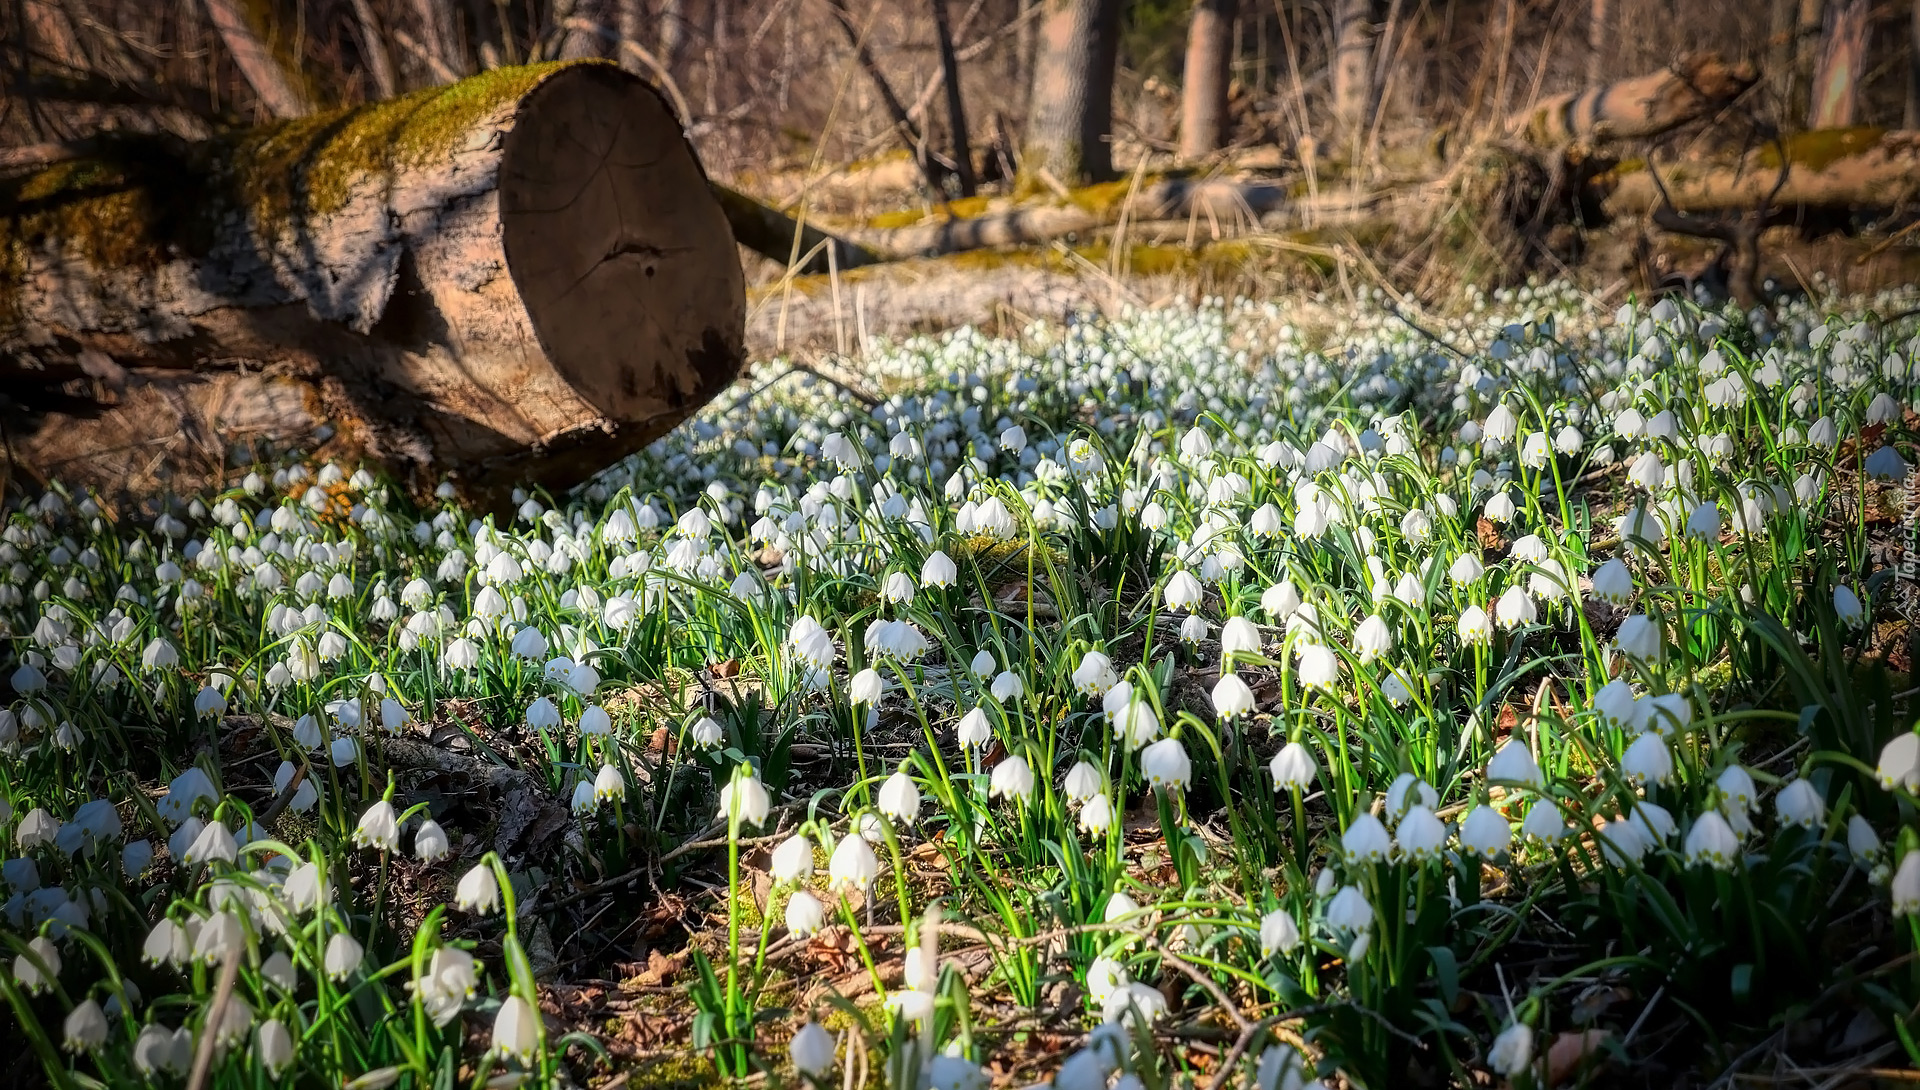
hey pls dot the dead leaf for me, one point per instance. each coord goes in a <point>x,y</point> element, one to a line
<point>1570,1052</point>
<point>726,668</point>
<point>660,969</point>
<point>661,742</point>
<point>836,948</point>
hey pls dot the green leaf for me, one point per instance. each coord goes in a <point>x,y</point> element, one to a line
<point>1446,970</point>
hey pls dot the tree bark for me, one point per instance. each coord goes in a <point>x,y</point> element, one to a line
<point>521,278</point>
<point>1843,58</point>
<point>632,20</point>
<point>1695,85</point>
<point>1860,169</point>
<point>277,89</point>
<point>673,31</point>
<point>379,61</point>
<point>1352,71</point>
<point>1070,115</point>
<point>1203,90</point>
<point>1599,18</point>
<point>956,102</point>
<point>1806,53</point>
<point>1913,69</point>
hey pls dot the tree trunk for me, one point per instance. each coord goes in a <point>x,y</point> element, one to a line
<point>379,61</point>
<point>632,21</point>
<point>581,42</point>
<point>1806,53</point>
<point>1070,114</point>
<point>1352,70</point>
<point>1843,58</point>
<point>956,102</point>
<point>1203,81</point>
<point>521,278</point>
<point>910,136</point>
<point>277,89</point>
<point>1598,34</point>
<point>673,31</point>
<point>1643,106</point>
<point>1913,69</point>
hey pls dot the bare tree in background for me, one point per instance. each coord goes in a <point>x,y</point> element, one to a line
<point>1070,112</point>
<point>1204,79</point>
<point>1598,20</point>
<point>1352,71</point>
<point>278,89</point>
<point>1843,54</point>
<point>1913,69</point>
<point>956,103</point>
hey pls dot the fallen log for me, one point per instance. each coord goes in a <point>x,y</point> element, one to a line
<point>1694,86</point>
<point>1835,168</point>
<point>520,277</point>
<point>1086,210</point>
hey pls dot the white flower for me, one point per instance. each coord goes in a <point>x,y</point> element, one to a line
<point>1095,674</point>
<point>1473,626</point>
<point>1007,687</point>
<point>811,1049</point>
<point>1279,933</point>
<point>1372,639</point>
<point>898,589</point>
<point>974,730</point>
<point>1900,763</point>
<point>938,570</point>
<point>1420,834</point>
<point>1862,842</point>
<point>1513,764</point>
<point>1886,464</point>
<point>1280,600</point>
<point>706,732</point>
<point>1515,608</point>
<point>1293,767</point>
<point>744,800</point>
<point>1484,832</point>
<point>1639,638</point>
<point>1166,765</point>
<point>1231,696</point>
<point>516,1030</point>
<point>899,798</point>
<point>852,864</point>
<point>1096,817</point>
<point>1084,782</point>
<point>1366,840</point>
<point>1613,582</point>
<point>273,1046</point>
<point>1318,668</point>
<point>1239,636</point>
<point>85,1028</point>
<point>1647,760</point>
<point>1544,822</point>
<point>342,955</point>
<point>1349,910</point>
<point>805,914</point>
<point>214,844</point>
<point>1847,606</point>
<point>1134,1001</point>
<point>1905,887</point>
<point>1183,592</point>
<point>1800,804</point>
<point>1712,841</point>
<point>1512,1051</point>
<point>378,828</point>
<point>430,844</point>
<point>478,891</point>
<point>1012,778</point>
<point>1736,789</point>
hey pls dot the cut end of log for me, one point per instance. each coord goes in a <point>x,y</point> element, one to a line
<point>622,257</point>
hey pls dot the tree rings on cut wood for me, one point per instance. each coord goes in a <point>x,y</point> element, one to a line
<point>517,278</point>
